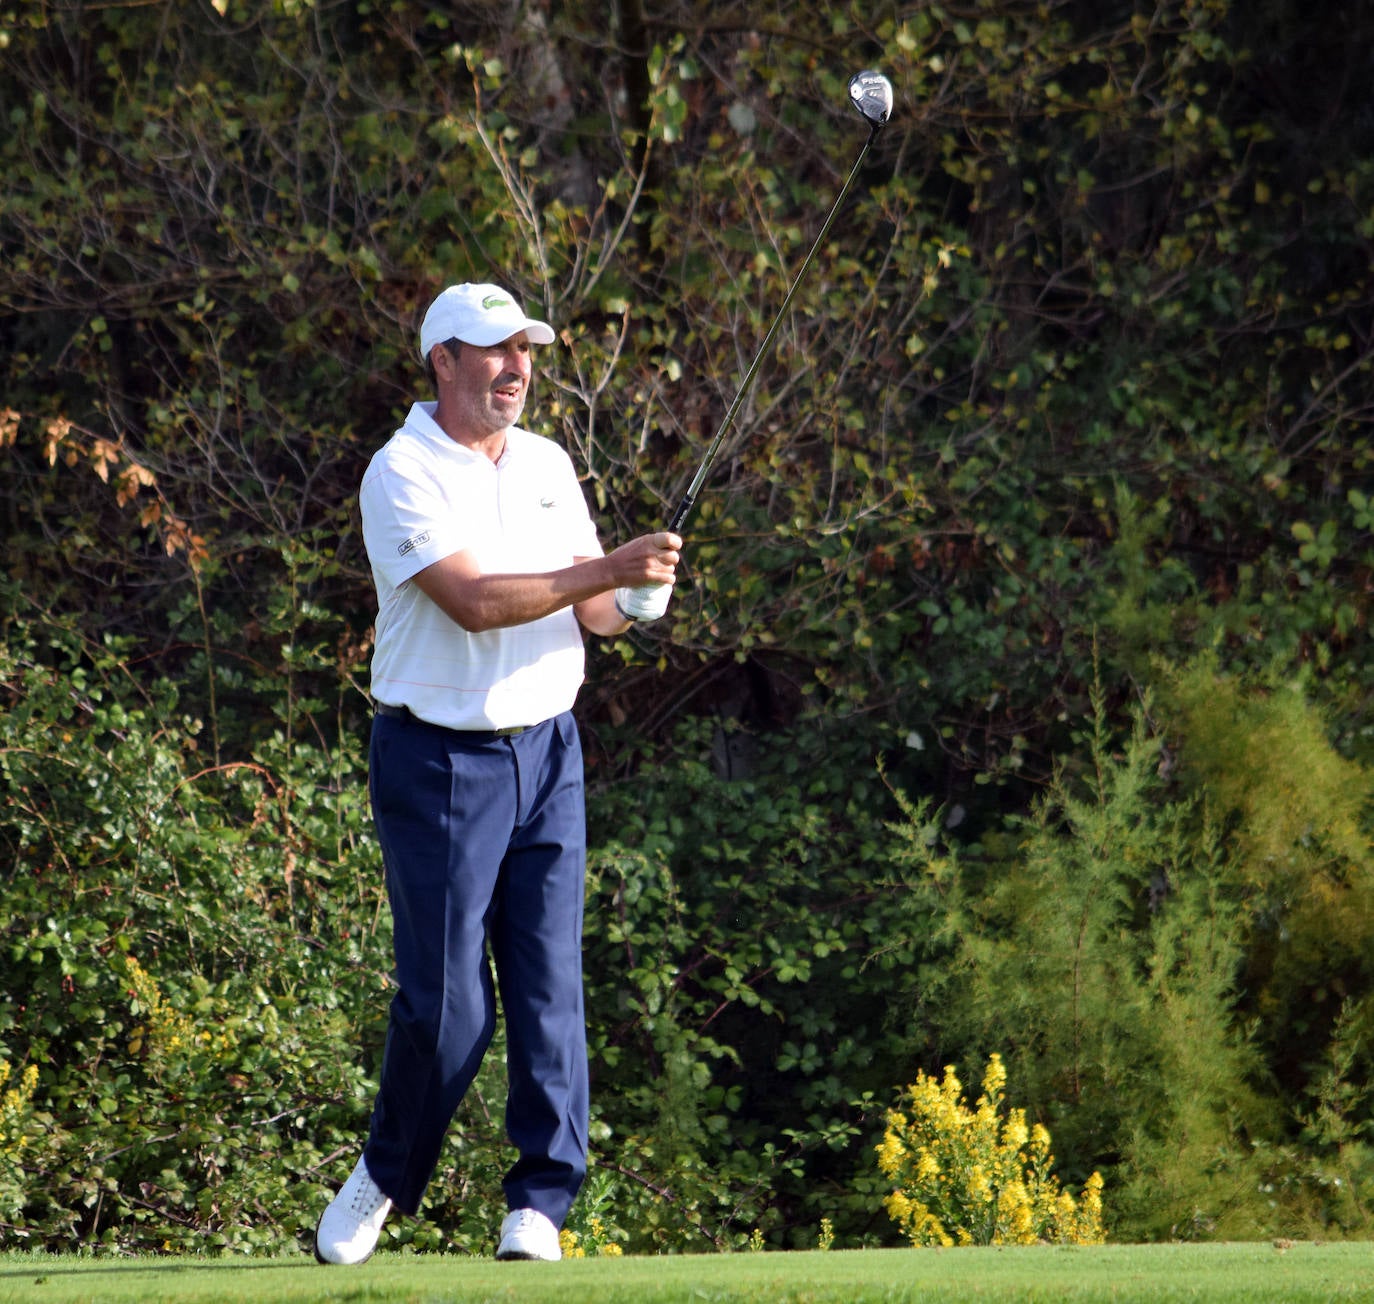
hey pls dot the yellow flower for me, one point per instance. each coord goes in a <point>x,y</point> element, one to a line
<point>891,1152</point>
<point>567,1242</point>
<point>1015,1216</point>
<point>1087,1227</point>
<point>14,1106</point>
<point>995,1078</point>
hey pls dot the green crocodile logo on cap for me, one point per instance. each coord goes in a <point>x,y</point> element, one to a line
<point>496,301</point>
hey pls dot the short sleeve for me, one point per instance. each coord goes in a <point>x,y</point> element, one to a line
<point>408,523</point>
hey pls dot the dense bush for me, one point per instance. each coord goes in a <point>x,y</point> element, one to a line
<point>167,921</point>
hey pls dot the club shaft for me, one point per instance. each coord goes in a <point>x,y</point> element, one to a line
<point>684,508</point>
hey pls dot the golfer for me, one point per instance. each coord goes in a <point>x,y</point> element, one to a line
<point>487,570</point>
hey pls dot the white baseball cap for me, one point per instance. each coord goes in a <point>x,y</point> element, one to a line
<point>478,314</point>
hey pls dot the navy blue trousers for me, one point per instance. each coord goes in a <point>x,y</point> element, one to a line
<point>484,841</point>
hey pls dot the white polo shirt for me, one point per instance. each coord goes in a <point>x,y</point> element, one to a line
<point>425,497</point>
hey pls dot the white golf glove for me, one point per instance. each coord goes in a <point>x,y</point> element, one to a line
<point>643,603</point>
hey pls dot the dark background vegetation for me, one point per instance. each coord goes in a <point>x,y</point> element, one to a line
<point>1016,697</point>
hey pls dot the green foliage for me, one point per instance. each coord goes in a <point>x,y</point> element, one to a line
<point>1128,921</point>
<point>1262,755</point>
<point>1296,816</point>
<point>1090,265</point>
<point>1097,949</point>
<point>162,930</point>
<point>729,991</point>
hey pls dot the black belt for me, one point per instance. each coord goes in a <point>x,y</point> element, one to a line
<point>405,713</point>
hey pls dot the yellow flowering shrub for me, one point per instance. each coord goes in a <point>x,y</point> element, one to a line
<point>165,1031</point>
<point>595,1241</point>
<point>14,1105</point>
<point>16,1133</point>
<point>974,1177</point>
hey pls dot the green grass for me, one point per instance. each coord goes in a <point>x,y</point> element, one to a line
<point>1249,1272</point>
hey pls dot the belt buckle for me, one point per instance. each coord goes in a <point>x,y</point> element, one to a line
<point>510,730</point>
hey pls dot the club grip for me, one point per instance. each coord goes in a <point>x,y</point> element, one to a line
<point>679,517</point>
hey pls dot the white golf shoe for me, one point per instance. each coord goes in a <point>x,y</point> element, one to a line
<point>527,1234</point>
<point>349,1227</point>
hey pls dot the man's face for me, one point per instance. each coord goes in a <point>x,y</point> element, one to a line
<point>488,386</point>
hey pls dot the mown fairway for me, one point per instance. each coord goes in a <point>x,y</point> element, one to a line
<point>1298,1272</point>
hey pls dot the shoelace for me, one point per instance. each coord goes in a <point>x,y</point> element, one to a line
<point>367,1199</point>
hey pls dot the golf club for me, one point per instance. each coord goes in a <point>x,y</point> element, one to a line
<point>871,94</point>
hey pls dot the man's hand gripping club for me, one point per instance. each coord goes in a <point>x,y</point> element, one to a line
<point>643,602</point>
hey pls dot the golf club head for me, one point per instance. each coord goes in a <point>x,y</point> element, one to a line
<point>871,93</point>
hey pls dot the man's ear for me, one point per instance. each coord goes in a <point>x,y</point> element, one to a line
<point>445,358</point>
